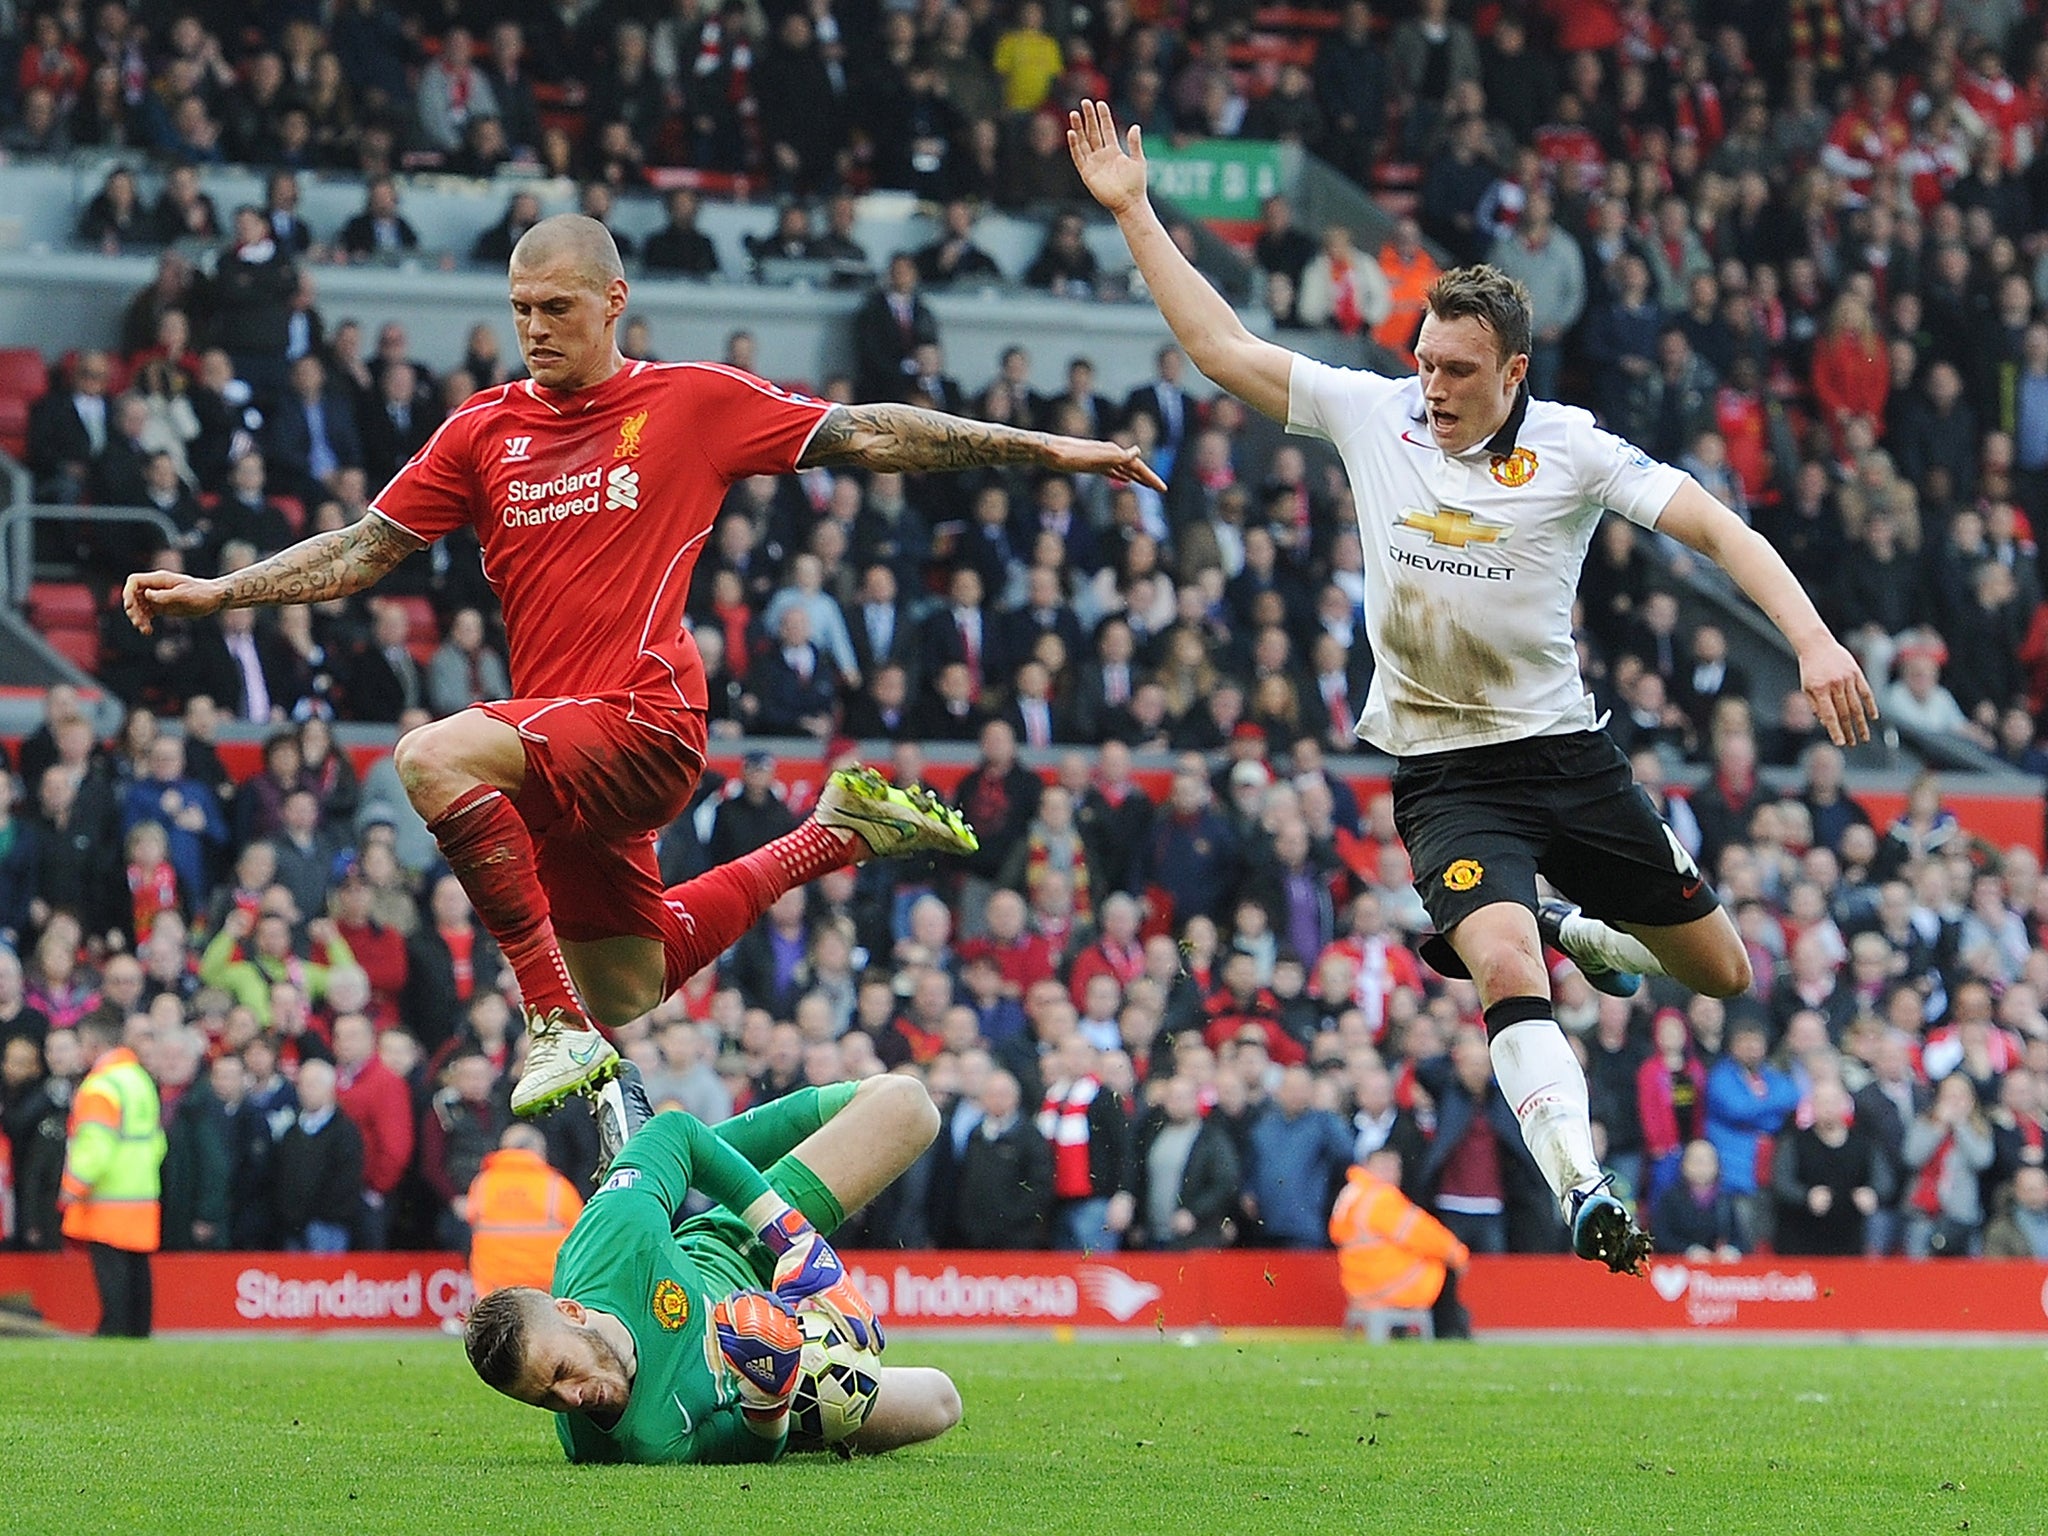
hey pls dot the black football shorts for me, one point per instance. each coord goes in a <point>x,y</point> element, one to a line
<point>1480,824</point>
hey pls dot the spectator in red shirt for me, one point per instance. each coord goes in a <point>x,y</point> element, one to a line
<point>1852,370</point>
<point>1242,1004</point>
<point>1868,137</point>
<point>50,62</point>
<point>1022,956</point>
<point>152,882</point>
<point>1116,952</point>
<point>2005,110</point>
<point>375,1098</point>
<point>379,950</point>
<point>1744,425</point>
<point>1671,1101</point>
<point>1381,963</point>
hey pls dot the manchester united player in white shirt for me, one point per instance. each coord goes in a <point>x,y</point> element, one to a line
<point>1475,507</point>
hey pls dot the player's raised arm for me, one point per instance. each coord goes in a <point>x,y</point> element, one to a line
<point>1828,674</point>
<point>328,565</point>
<point>1215,340</point>
<point>911,439</point>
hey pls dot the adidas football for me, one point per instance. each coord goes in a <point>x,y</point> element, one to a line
<point>835,1386</point>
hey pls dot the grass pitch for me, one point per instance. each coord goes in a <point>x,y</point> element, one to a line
<point>394,1435</point>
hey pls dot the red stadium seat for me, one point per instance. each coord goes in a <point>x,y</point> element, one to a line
<point>24,375</point>
<point>80,647</point>
<point>62,605</point>
<point>14,425</point>
<point>1270,51</point>
<point>561,107</point>
<point>722,184</point>
<point>1295,18</point>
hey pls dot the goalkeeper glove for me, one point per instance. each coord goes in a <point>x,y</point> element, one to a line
<point>761,1340</point>
<point>807,1268</point>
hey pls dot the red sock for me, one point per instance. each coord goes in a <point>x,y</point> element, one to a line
<point>491,853</point>
<point>707,915</point>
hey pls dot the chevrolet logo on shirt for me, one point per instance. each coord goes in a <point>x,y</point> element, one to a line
<point>1452,528</point>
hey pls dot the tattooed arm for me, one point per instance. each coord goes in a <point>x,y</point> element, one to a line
<point>313,570</point>
<point>911,439</point>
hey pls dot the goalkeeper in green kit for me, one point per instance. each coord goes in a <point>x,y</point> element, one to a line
<point>674,1339</point>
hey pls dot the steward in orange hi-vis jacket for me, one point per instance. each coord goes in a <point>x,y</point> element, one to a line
<point>1391,1252</point>
<point>520,1210</point>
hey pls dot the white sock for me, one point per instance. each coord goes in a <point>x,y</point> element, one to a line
<point>1541,1079</point>
<point>1608,945</point>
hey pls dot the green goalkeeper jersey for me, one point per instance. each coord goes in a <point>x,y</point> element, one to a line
<point>628,1256</point>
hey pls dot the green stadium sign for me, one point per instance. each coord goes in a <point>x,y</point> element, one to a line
<point>1216,178</point>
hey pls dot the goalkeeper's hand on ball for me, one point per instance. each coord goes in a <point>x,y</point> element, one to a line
<point>807,1268</point>
<point>762,1341</point>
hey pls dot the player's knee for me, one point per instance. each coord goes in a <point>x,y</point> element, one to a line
<point>908,1103</point>
<point>1509,968</point>
<point>920,1114</point>
<point>423,760</point>
<point>1728,973</point>
<point>618,1001</point>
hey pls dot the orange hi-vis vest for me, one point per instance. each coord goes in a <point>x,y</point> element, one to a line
<point>1408,284</point>
<point>520,1209</point>
<point>114,1156</point>
<point>1391,1252</point>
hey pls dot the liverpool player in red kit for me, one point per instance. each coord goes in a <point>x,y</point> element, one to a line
<point>592,486</point>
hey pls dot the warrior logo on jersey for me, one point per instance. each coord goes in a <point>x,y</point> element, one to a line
<point>671,1305</point>
<point>1463,875</point>
<point>1514,470</point>
<point>629,436</point>
<point>1453,528</point>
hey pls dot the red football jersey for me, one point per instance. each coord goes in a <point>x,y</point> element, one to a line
<point>592,509</point>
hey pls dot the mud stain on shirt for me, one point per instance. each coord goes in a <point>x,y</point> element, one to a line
<point>1441,672</point>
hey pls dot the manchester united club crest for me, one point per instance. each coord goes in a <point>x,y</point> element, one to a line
<point>671,1305</point>
<point>1463,875</point>
<point>1514,470</point>
<point>629,437</point>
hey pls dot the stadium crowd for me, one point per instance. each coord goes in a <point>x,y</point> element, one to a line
<point>1791,248</point>
<point>1173,1019</point>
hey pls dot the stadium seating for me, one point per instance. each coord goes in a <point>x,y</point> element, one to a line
<point>24,378</point>
<point>66,615</point>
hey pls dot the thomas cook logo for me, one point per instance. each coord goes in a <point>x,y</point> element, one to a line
<point>1463,875</point>
<point>1451,528</point>
<point>629,437</point>
<point>671,1305</point>
<point>621,488</point>
<point>1513,470</point>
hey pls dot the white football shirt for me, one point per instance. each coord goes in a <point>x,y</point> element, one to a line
<point>1472,561</point>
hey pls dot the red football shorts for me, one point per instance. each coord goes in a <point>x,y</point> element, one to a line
<point>604,775</point>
